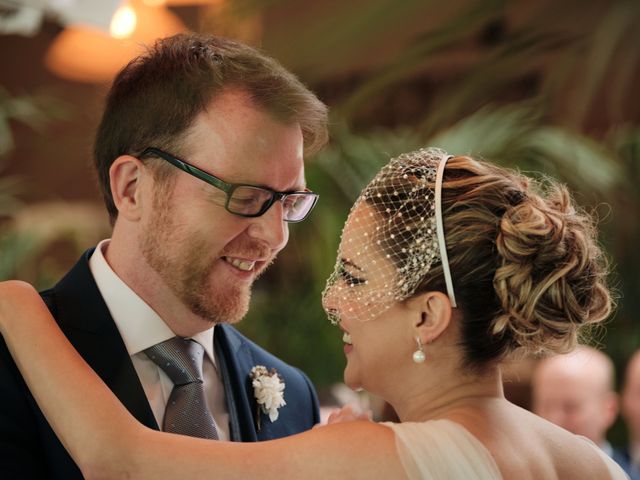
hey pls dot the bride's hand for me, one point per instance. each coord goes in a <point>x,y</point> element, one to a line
<point>348,413</point>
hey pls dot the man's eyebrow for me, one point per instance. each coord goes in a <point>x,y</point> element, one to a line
<point>346,261</point>
<point>299,187</point>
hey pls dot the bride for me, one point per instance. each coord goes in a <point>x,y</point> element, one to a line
<point>447,266</point>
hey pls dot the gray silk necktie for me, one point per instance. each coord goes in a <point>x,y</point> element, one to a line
<point>187,412</point>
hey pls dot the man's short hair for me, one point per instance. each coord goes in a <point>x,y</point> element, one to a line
<point>157,96</point>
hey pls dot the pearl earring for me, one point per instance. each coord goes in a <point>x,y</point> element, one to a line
<point>418,355</point>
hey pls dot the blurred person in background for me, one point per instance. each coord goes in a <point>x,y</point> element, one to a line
<point>577,392</point>
<point>630,456</point>
<point>199,157</point>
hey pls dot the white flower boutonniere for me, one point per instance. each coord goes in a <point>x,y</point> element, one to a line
<point>268,389</point>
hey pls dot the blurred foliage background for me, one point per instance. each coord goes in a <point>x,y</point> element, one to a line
<point>547,87</point>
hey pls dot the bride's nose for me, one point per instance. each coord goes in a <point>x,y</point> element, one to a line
<point>330,306</point>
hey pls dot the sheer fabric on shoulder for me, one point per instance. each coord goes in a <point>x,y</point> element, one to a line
<point>442,450</point>
<point>445,450</point>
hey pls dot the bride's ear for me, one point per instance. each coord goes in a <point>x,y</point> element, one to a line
<point>432,315</point>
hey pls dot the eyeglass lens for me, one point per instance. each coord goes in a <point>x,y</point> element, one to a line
<point>247,200</point>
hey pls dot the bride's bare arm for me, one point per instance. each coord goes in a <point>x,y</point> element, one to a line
<point>107,442</point>
<point>50,367</point>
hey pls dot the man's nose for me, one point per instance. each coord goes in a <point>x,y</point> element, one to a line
<point>271,227</point>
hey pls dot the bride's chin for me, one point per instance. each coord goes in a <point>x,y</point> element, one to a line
<point>352,381</point>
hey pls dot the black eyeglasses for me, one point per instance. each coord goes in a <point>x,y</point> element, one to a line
<point>246,200</point>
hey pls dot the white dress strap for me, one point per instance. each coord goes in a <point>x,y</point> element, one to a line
<point>442,450</point>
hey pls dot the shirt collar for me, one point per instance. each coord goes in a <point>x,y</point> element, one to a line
<point>139,325</point>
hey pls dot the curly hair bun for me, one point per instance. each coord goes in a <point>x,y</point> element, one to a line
<point>551,271</point>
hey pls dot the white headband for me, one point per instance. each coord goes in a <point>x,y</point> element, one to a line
<point>444,259</point>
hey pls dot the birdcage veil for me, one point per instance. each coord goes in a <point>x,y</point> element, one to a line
<point>392,237</point>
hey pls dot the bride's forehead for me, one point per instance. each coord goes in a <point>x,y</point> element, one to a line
<point>360,243</point>
<point>362,222</point>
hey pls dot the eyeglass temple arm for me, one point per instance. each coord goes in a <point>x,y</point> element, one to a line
<point>190,169</point>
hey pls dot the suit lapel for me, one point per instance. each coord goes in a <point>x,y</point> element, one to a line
<point>85,319</point>
<point>235,363</point>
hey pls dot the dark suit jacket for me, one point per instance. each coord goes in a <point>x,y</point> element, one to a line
<point>30,450</point>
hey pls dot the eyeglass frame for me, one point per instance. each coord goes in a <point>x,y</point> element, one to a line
<point>229,188</point>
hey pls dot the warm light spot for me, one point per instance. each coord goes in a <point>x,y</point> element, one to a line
<point>155,3</point>
<point>123,22</point>
<point>84,54</point>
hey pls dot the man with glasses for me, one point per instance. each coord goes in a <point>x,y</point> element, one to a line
<point>199,158</point>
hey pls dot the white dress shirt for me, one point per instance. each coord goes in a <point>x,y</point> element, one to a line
<point>141,327</point>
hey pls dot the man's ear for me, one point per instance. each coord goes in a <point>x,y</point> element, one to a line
<point>611,409</point>
<point>125,177</point>
<point>432,315</point>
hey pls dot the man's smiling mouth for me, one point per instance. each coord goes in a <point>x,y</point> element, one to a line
<point>244,265</point>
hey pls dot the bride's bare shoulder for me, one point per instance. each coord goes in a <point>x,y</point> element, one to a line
<point>525,446</point>
<point>569,456</point>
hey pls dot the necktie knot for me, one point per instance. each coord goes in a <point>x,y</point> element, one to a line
<point>180,358</point>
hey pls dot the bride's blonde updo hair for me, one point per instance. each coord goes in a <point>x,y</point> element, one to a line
<point>527,270</point>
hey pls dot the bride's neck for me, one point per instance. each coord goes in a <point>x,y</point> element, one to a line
<point>450,394</point>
